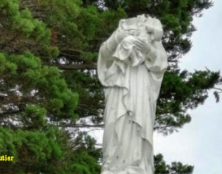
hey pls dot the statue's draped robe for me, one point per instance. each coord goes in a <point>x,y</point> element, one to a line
<point>132,83</point>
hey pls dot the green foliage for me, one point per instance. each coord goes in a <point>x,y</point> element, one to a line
<point>182,91</point>
<point>22,21</point>
<point>175,168</point>
<point>33,79</point>
<point>6,68</point>
<point>20,31</point>
<point>34,116</point>
<point>46,151</point>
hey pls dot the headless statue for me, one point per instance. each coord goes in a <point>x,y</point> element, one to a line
<point>131,66</point>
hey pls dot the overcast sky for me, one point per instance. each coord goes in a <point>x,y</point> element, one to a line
<point>199,143</point>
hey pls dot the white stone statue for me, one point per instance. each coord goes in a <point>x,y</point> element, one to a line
<point>131,66</point>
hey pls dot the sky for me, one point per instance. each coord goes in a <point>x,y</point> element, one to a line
<point>199,143</point>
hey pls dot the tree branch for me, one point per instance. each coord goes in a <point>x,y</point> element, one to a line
<point>81,125</point>
<point>8,113</point>
<point>76,66</point>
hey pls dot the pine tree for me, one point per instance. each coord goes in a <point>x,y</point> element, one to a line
<point>48,80</point>
<point>34,96</point>
<point>174,168</point>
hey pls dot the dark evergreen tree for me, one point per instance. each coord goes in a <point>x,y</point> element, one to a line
<point>174,168</point>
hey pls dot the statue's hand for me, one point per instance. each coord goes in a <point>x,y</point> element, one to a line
<point>147,48</point>
<point>143,46</point>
